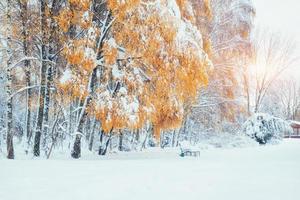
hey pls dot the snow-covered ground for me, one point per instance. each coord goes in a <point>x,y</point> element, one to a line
<point>267,172</point>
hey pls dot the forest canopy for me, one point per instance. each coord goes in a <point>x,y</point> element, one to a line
<point>115,68</point>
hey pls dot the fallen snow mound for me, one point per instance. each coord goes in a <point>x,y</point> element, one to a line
<point>265,128</point>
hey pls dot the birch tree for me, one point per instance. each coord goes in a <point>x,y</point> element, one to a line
<point>24,16</point>
<point>9,112</point>
<point>44,57</point>
<point>274,54</point>
<point>137,55</point>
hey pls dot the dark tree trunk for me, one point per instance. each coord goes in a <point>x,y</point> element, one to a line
<point>24,18</point>
<point>9,142</point>
<point>53,39</point>
<point>47,104</point>
<point>92,135</point>
<point>121,141</point>
<point>91,88</point>
<point>137,135</point>
<point>29,102</point>
<point>40,118</point>
<point>76,152</point>
<point>102,151</point>
<point>101,141</point>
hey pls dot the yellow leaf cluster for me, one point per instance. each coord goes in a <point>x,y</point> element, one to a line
<point>175,76</point>
<point>64,19</point>
<point>80,5</point>
<point>77,14</point>
<point>110,54</point>
<point>120,8</point>
<point>171,76</point>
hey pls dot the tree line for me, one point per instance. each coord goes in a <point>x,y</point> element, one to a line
<point>111,72</point>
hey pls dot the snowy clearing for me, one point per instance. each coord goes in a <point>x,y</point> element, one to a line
<point>265,172</point>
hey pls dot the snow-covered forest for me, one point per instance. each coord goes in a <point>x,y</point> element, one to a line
<point>129,74</point>
<point>110,75</point>
<point>144,99</point>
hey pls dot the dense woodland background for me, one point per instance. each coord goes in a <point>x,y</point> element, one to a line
<point>111,74</point>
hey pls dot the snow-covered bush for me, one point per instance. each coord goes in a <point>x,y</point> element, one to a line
<point>265,128</point>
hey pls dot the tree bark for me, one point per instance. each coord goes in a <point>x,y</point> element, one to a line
<point>9,141</point>
<point>101,141</point>
<point>121,141</point>
<point>24,18</point>
<point>102,151</point>
<point>173,138</point>
<point>29,103</point>
<point>53,39</point>
<point>47,103</point>
<point>92,136</point>
<point>76,152</point>
<point>40,118</point>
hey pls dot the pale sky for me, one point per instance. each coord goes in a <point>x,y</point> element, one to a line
<point>282,16</point>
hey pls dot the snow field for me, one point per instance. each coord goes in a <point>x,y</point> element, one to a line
<point>254,173</point>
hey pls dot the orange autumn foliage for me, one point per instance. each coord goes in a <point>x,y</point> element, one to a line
<point>175,75</point>
<point>158,70</point>
<point>110,54</point>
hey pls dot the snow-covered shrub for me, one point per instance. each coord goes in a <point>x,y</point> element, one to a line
<point>265,128</point>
